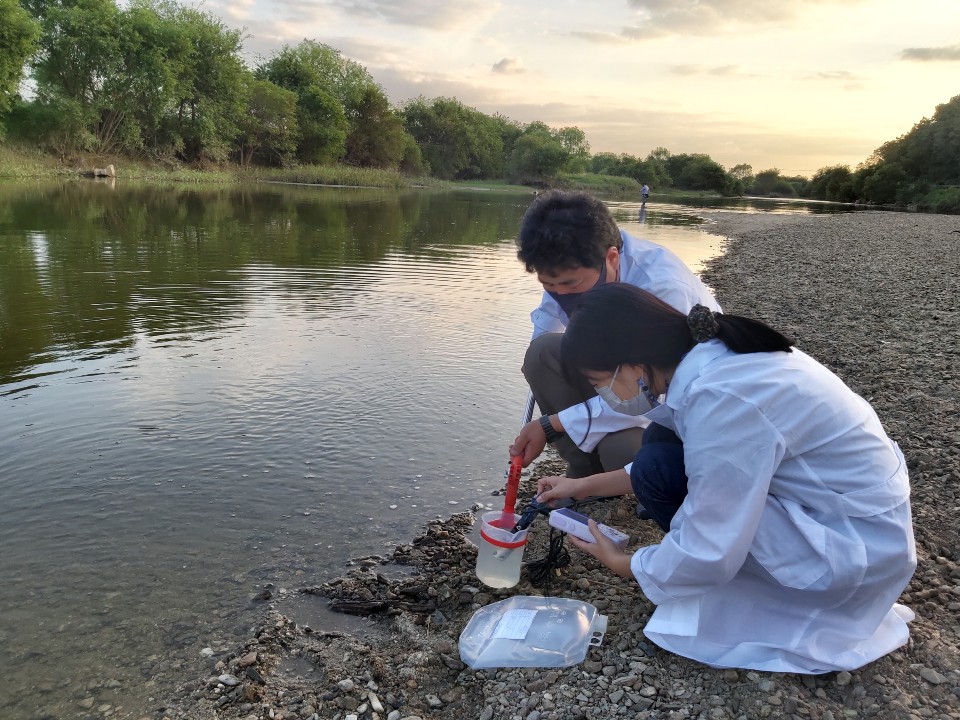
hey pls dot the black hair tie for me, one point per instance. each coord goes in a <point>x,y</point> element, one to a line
<point>703,323</point>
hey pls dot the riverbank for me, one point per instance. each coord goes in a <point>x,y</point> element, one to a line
<point>872,295</point>
<point>21,163</point>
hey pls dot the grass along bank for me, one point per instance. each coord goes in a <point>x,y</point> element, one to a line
<point>23,163</point>
<point>343,175</point>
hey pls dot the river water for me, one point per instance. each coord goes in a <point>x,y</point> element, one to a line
<point>203,391</point>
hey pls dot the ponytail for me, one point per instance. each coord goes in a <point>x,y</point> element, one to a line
<point>617,323</point>
<point>743,335</point>
<point>740,334</point>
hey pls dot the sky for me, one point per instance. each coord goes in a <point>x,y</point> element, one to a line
<point>796,85</point>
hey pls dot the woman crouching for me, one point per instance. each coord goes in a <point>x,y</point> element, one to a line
<point>785,505</point>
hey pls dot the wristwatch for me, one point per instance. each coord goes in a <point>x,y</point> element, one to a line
<point>552,435</point>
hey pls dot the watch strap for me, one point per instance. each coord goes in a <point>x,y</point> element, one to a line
<point>548,430</point>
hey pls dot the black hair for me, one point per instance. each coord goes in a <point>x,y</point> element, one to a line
<point>565,230</point>
<point>621,324</point>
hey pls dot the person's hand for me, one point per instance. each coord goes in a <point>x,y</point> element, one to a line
<point>529,443</point>
<point>557,488</point>
<point>604,551</point>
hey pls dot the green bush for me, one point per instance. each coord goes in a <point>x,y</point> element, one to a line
<point>770,183</point>
<point>940,200</point>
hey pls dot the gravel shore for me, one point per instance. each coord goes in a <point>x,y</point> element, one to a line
<point>871,295</point>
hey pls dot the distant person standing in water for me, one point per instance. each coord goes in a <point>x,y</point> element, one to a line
<point>645,192</point>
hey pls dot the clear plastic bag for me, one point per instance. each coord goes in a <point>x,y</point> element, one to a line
<point>530,631</point>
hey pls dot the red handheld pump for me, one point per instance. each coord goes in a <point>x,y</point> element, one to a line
<point>513,484</point>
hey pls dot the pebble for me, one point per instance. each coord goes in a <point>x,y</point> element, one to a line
<point>247,660</point>
<point>932,676</point>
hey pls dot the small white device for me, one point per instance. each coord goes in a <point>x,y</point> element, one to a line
<point>575,524</point>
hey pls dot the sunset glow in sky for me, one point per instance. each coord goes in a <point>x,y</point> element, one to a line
<point>792,84</point>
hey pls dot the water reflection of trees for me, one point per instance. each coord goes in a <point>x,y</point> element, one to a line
<point>85,268</point>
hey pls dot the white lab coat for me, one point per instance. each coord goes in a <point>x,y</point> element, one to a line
<point>795,539</point>
<point>648,266</point>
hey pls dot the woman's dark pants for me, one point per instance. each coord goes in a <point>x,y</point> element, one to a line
<point>658,476</point>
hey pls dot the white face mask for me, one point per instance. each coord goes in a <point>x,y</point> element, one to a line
<point>637,405</point>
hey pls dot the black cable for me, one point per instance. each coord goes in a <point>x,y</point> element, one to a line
<point>541,572</point>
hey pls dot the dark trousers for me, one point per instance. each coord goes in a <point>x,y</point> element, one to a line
<point>658,476</point>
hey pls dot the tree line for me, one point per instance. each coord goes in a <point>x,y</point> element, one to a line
<point>163,81</point>
<point>920,168</point>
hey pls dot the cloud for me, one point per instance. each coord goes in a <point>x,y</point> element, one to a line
<point>850,80</point>
<point>601,38</point>
<point>716,70</point>
<point>946,53</point>
<point>238,10</point>
<point>371,53</point>
<point>661,18</point>
<point>509,66</point>
<point>429,14</point>
<point>402,84</point>
<point>686,70</point>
